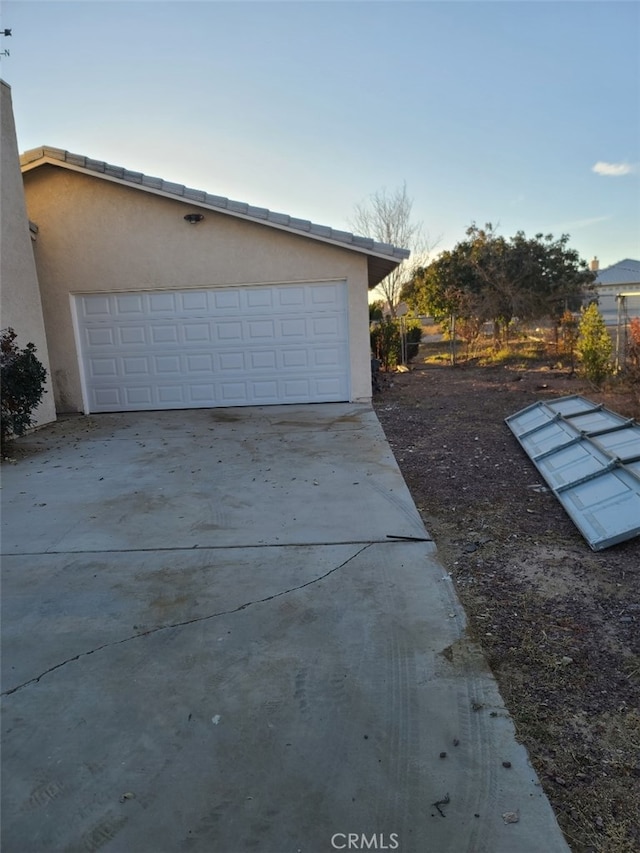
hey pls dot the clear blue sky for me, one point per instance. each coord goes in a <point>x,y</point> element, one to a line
<point>525,114</point>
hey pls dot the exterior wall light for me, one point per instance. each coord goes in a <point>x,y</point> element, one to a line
<point>194,218</point>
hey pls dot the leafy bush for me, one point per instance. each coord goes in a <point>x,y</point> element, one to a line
<point>594,347</point>
<point>22,379</point>
<point>376,311</point>
<point>414,336</point>
<point>386,340</point>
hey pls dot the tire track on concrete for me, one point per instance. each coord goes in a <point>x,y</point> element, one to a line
<point>401,710</point>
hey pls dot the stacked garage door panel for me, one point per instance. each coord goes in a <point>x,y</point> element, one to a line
<point>235,346</point>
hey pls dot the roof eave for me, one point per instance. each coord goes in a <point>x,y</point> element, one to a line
<point>379,267</point>
<point>379,262</point>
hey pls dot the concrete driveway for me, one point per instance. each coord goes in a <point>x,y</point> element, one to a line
<point>227,630</point>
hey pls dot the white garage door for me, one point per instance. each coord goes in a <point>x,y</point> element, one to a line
<point>239,346</point>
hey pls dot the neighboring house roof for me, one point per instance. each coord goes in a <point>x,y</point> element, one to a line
<point>623,273</point>
<point>382,258</point>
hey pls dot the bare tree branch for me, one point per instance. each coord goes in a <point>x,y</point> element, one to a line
<point>386,217</point>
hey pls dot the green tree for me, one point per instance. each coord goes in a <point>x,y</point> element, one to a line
<point>492,278</point>
<point>445,287</point>
<point>594,347</point>
<point>22,379</point>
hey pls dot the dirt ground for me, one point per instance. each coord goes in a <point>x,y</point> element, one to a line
<point>558,623</point>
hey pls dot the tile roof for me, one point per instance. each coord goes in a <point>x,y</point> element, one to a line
<point>383,258</point>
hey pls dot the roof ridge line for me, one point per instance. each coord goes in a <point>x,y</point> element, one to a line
<point>238,208</point>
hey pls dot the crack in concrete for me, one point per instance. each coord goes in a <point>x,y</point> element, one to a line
<point>183,624</point>
<point>259,545</point>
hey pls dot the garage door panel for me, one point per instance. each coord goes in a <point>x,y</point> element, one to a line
<point>293,328</point>
<point>327,388</point>
<point>196,333</point>
<point>229,362</point>
<point>260,297</point>
<point>171,396</point>
<point>229,331</point>
<point>262,360</point>
<point>137,366</point>
<point>100,337</point>
<point>138,396</point>
<point>260,330</point>
<point>193,301</point>
<point>159,303</point>
<point>295,388</point>
<point>99,367</point>
<point>202,393</point>
<point>164,334</point>
<point>95,307</point>
<point>294,358</point>
<point>233,393</point>
<point>107,397</point>
<point>326,357</point>
<point>130,304</point>
<point>164,365</point>
<point>324,295</point>
<point>225,300</point>
<point>194,349</point>
<point>326,327</point>
<point>199,363</point>
<point>129,336</point>
<point>264,392</point>
<point>291,298</point>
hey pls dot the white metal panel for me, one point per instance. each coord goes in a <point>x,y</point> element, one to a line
<point>239,346</point>
<point>622,443</point>
<point>572,405</point>
<point>590,458</point>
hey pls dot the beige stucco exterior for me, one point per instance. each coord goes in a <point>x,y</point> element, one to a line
<point>20,306</point>
<point>96,235</point>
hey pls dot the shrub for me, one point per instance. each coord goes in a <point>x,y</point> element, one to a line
<point>594,347</point>
<point>569,333</point>
<point>414,336</point>
<point>22,379</point>
<point>376,311</point>
<point>386,340</point>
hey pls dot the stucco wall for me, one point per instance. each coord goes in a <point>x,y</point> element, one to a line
<point>97,235</point>
<point>20,306</point>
